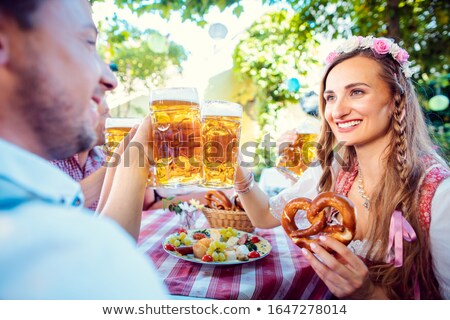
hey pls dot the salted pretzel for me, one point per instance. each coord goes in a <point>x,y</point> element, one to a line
<point>317,216</point>
<point>237,204</point>
<point>218,200</point>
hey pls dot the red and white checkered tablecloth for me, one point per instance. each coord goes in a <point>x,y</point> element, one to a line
<point>283,274</point>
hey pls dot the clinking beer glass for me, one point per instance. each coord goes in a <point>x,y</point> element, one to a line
<point>116,130</point>
<point>295,158</point>
<point>221,130</point>
<point>177,150</point>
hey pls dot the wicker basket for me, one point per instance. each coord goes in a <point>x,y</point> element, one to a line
<point>227,218</point>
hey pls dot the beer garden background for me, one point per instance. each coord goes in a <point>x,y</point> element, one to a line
<point>268,54</point>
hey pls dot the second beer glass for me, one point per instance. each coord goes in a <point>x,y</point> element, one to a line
<point>177,147</point>
<point>221,130</point>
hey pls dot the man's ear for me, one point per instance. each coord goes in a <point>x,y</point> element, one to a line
<point>4,49</point>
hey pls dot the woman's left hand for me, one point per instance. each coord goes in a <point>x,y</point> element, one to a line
<point>344,273</point>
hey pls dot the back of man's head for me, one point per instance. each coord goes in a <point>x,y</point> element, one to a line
<point>21,11</point>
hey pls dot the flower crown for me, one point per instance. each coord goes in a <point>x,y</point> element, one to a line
<point>380,46</point>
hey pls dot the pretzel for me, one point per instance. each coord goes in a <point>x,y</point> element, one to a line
<point>316,215</point>
<point>237,204</point>
<point>218,200</point>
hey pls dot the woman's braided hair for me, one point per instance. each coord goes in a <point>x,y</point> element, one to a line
<point>399,183</point>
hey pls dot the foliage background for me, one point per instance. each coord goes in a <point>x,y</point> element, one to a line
<point>281,44</point>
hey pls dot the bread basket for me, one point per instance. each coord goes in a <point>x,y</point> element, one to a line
<point>228,218</point>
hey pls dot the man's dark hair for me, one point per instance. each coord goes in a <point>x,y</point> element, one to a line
<point>22,11</point>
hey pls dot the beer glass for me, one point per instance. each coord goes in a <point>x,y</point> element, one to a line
<point>116,130</point>
<point>296,157</point>
<point>177,150</point>
<point>221,130</point>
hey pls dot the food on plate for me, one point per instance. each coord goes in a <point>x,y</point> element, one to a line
<point>339,223</point>
<point>180,239</point>
<point>201,247</point>
<point>243,239</point>
<point>242,252</point>
<point>254,254</point>
<point>198,236</point>
<point>227,233</point>
<point>207,258</point>
<point>184,250</point>
<point>225,245</point>
<point>169,246</point>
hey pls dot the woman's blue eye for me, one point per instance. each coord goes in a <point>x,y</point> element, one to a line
<point>357,92</point>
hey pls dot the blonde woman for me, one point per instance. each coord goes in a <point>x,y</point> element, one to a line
<point>387,167</point>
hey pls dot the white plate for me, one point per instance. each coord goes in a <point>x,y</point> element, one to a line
<point>263,247</point>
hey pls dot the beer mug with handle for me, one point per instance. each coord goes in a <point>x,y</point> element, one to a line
<point>221,130</point>
<point>296,156</point>
<point>177,150</point>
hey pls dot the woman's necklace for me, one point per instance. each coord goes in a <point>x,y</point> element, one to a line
<point>361,191</point>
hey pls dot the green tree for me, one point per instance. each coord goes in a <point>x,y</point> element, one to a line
<point>422,26</point>
<point>139,55</point>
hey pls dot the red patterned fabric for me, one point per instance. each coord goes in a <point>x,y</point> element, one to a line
<point>345,180</point>
<point>436,173</point>
<point>72,167</point>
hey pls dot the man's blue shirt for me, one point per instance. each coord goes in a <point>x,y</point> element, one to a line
<point>53,248</point>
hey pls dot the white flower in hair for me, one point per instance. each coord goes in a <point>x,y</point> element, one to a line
<point>407,71</point>
<point>394,49</point>
<point>366,42</point>
<point>350,45</point>
<point>379,46</point>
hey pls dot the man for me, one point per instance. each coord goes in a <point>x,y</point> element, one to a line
<point>86,166</point>
<point>51,81</point>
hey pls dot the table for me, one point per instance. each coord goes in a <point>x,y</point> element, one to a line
<point>283,274</point>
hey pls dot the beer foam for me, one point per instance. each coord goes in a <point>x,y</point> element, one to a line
<point>221,108</point>
<point>177,94</point>
<point>122,122</point>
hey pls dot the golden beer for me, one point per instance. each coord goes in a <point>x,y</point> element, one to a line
<point>116,130</point>
<point>177,147</point>
<point>296,157</point>
<point>221,129</point>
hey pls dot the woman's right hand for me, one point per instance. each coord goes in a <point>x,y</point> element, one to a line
<point>286,138</point>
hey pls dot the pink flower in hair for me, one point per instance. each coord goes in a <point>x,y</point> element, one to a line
<point>402,56</point>
<point>331,57</point>
<point>381,46</point>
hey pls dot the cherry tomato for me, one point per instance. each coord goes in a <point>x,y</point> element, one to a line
<point>253,254</point>
<point>207,258</point>
<point>180,230</point>
<point>169,246</point>
<point>255,239</point>
<point>198,236</point>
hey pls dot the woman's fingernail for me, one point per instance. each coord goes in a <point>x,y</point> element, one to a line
<point>313,246</point>
<point>305,252</point>
<point>323,238</point>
